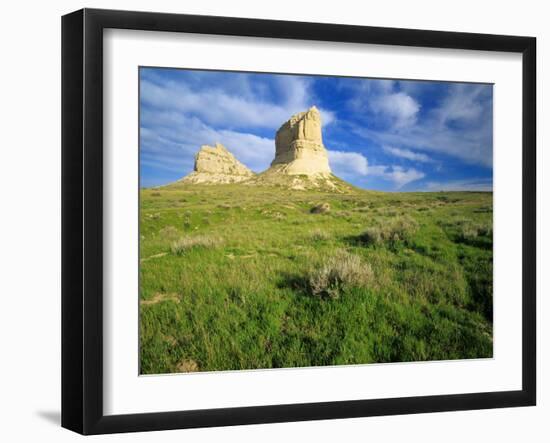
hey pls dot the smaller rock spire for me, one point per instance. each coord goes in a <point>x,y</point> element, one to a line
<point>215,164</point>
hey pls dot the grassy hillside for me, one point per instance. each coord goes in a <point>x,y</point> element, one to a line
<point>243,277</point>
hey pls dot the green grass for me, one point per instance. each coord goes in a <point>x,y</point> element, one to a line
<point>244,277</point>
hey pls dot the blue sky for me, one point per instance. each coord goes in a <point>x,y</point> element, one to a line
<point>390,135</point>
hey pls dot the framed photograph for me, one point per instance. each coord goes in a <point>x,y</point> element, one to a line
<point>269,221</point>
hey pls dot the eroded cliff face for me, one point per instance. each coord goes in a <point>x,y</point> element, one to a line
<point>215,164</point>
<point>299,148</point>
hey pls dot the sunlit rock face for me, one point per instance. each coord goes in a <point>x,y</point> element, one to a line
<point>215,164</point>
<point>299,148</point>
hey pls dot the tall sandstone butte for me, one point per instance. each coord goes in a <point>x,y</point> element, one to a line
<point>215,164</point>
<point>299,148</point>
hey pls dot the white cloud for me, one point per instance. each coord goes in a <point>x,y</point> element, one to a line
<point>354,166</point>
<point>474,184</point>
<point>347,163</point>
<point>473,147</point>
<point>327,117</point>
<point>407,154</point>
<point>461,126</point>
<point>237,108</point>
<point>255,152</point>
<point>398,175</point>
<point>380,99</point>
<point>398,106</point>
<point>462,104</point>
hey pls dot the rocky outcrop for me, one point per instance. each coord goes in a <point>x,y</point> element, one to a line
<point>215,164</point>
<point>299,148</point>
<point>300,163</point>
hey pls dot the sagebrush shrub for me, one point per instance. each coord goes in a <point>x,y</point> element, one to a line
<point>319,235</point>
<point>399,229</point>
<point>372,236</point>
<point>339,273</point>
<point>468,230</point>
<point>486,229</point>
<point>403,228</point>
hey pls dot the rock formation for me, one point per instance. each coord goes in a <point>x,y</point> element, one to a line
<point>215,164</point>
<point>299,146</point>
<point>300,163</point>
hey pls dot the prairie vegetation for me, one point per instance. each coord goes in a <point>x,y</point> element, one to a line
<point>245,277</point>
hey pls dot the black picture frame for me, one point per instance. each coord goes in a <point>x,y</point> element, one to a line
<point>82,218</point>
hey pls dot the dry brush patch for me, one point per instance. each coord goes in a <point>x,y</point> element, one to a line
<point>467,230</point>
<point>187,365</point>
<point>399,229</point>
<point>159,298</point>
<point>184,244</point>
<point>169,233</point>
<point>339,273</point>
<point>319,235</point>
